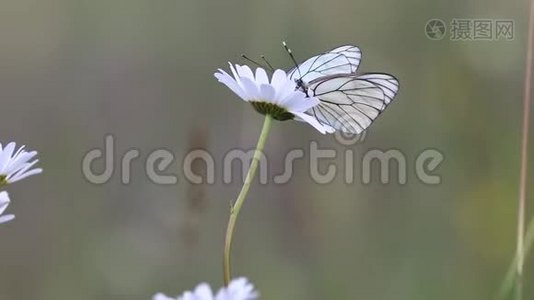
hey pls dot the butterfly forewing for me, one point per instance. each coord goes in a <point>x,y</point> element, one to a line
<point>341,60</point>
<point>351,103</point>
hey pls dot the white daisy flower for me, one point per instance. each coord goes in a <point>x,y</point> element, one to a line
<point>16,165</point>
<point>4,202</point>
<point>238,289</point>
<point>279,98</point>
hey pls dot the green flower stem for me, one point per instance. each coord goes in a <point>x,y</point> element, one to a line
<point>236,207</point>
<point>508,283</point>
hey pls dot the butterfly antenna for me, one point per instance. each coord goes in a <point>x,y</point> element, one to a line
<point>292,57</point>
<point>252,61</point>
<point>267,62</point>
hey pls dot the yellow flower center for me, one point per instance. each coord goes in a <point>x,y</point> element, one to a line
<point>277,112</point>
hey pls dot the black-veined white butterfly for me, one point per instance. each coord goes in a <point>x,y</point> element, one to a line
<point>350,102</point>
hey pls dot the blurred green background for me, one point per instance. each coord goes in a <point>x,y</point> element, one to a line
<point>73,71</point>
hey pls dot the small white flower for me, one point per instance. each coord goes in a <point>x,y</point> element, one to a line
<point>279,98</point>
<point>16,165</point>
<point>238,289</point>
<point>4,202</point>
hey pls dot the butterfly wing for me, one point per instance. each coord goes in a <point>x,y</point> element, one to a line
<point>352,103</point>
<point>341,60</point>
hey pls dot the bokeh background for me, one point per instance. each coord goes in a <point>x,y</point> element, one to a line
<point>73,71</point>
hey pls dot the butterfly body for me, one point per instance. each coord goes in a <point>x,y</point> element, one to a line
<point>302,86</point>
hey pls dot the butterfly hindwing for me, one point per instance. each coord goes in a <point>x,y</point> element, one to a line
<point>350,103</point>
<point>387,83</point>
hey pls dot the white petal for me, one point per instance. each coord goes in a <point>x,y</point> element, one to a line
<point>188,296</point>
<point>300,103</point>
<point>251,89</point>
<point>18,162</point>
<point>21,168</point>
<point>267,92</point>
<point>4,201</point>
<point>279,78</point>
<point>238,289</point>
<point>244,71</point>
<point>160,296</point>
<point>231,83</point>
<point>23,174</point>
<point>6,218</point>
<point>297,101</point>
<point>261,76</point>
<point>329,129</point>
<point>312,121</point>
<point>286,90</point>
<point>5,156</point>
<point>203,292</point>
<point>234,72</point>
<point>20,152</point>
